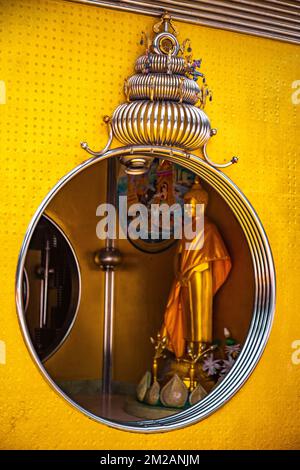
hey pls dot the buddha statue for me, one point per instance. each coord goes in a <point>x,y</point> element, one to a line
<point>202,266</point>
<point>199,274</point>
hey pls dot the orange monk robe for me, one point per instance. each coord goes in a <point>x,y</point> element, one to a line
<point>214,253</point>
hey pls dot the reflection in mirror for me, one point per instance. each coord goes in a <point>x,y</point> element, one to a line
<point>51,287</point>
<point>167,323</point>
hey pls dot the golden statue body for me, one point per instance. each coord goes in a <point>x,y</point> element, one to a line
<point>188,318</point>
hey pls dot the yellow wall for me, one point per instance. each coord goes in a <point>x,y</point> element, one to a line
<point>63,67</point>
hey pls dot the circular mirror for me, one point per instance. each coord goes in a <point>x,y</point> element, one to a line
<point>162,338</point>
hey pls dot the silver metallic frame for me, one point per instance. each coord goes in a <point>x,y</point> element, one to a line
<point>264,299</point>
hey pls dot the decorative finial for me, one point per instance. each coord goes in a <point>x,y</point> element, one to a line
<point>167,22</point>
<point>164,100</point>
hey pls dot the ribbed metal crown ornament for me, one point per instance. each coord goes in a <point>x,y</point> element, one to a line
<point>161,98</point>
<point>164,100</point>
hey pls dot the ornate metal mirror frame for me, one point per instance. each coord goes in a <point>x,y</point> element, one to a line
<point>264,285</point>
<point>161,116</point>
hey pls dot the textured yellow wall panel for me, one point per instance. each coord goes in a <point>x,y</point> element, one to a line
<point>62,67</point>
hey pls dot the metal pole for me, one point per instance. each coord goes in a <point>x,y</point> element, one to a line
<point>44,275</point>
<point>107,368</point>
<point>108,267</point>
<point>46,280</point>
